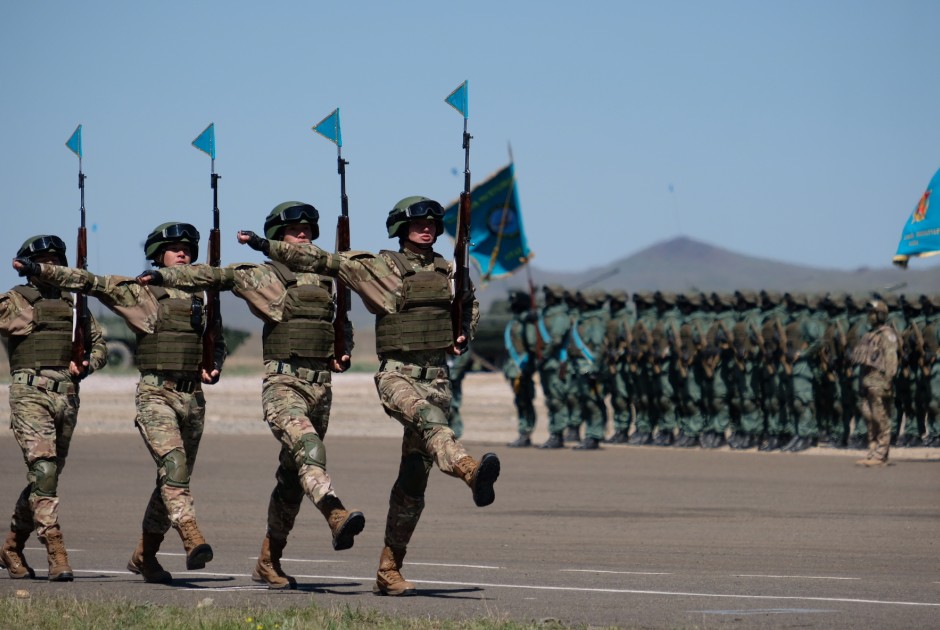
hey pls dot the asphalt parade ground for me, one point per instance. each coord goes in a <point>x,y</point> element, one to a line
<point>625,536</point>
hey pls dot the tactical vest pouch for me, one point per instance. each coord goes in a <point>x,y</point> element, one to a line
<point>175,346</point>
<point>50,343</point>
<point>422,320</point>
<point>307,328</point>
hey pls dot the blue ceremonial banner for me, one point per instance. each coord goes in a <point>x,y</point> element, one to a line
<point>205,142</point>
<point>458,99</point>
<point>329,128</point>
<point>921,234</point>
<point>75,141</point>
<point>497,240</point>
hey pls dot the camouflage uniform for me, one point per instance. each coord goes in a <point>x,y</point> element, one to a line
<point>931,376</point>
<point>665,372</point>
<point>619,341</point>
<point>693,334</point>
<point>877,355</point>
<point>746,344</point>
<point>297,391</point>
<point>857,325</point>
<point>412,383</point>
<point>803,339</point>
<point>831,365</point>
<point>641,366</point>
<point>773,392</point>
<point>44,405</point>
<point>170,404</point>
<point>519,339</point>
<point>587,349</point>
<point>907,385</point>
<point>720,404</point>
<point>554,324</point>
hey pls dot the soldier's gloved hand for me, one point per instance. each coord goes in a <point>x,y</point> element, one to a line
<point>25,266</point>
<point>150,276</point>
<point>254,241</point>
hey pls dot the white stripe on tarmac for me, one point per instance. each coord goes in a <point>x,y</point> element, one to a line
<point>535,587</point>
<point>615,572</point>
<point>459,566</point>
<point>797,577</point>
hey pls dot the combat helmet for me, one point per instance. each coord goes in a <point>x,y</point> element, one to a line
<point>172,232</point>
<point>519,300</point>
<point>880,310</point>
<point>415,207</point>
<point>746,298</point>
<point>292,213</point>
<point>43,244</point>
<point>593,298</point>
<point>618,296</point>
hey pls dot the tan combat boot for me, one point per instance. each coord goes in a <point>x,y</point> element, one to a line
<point>59,569</point>
<point>344,525</point>
<point>12,558</point>
<point>198,552</point>
<point>144,560</point>
<point>388,579</point>
<point>268,570</point>
<point>480,477</point>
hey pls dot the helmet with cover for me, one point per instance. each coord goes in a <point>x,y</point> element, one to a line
<point>291,213</point>
<point>43,244</point>
<point>879,309</point>
<point>414,208</point>
<point>167,233</point>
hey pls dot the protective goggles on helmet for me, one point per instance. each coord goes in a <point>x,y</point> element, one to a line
<point>297,214</point>
<point>179,231</point>
<point>44,244</point>
<point>421,209</point>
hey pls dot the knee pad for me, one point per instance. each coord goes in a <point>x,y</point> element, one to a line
<point>43,477</point>
<point>413,476</point>
<point>177,472</point>
<point>310,451</point>
<point>430,416</point>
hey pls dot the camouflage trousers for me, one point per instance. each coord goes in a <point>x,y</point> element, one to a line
<point>420,406</point>
<point>298,414</point>
<point>42,423</point>
<point>875,401</point>
<point>621,398</point>
<point>170,421</point>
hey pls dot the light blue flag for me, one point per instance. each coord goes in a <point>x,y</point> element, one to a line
<point>497,239</point>
<point>329,128</point>
<point>205,141</point>
<point>458,99</point>
<point>74,143</point>
<point>921,234</point>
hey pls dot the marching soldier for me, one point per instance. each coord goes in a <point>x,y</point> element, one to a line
<point>877,356</point>
<point>410,294</point>
<point>586,351</point>
<point>554,323</point>
<point>298,352</point>
<point>36,320</point>
<point>170,404</point>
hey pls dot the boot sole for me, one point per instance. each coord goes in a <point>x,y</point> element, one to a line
<point>290,585</point>
<point>21,576</point>
<point>65,576</point>
<point>166,579</point>
<point>199,557</point>
<point>487,473</point>
<point>351,528</point>
<point>378,590</point>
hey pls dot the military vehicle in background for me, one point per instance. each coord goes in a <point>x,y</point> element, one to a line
<point>122,342</point>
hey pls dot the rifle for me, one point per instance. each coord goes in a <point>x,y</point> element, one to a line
<point>81,332</point>
<point>458,100</point>
<point>206,142</point>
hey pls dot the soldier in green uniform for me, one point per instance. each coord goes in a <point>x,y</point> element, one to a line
<point>746,344</point>
<point>170,404</point>
<point>36,322</point>
<point>803,335</point>
<point>665,335</point>
<point>642,371</point>
<point>877,355</point>
<point>931,369</point>
<point>586,351</point>
<point>908,406</point>
<point>772,381</point>
<point>722,371</point>
<point>619,341</point>
<point>553,325</point>
<point>693,333</point>
<point>298,351</point>
<point>856,327</point>
<point>831,365</point>
<point>410,294</point>
<point>519,338</point>
<point>574,422</point>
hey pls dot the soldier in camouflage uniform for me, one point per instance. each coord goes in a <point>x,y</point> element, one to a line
<point>586,352</point>
<point>409,292</point>
<point>856,327</point>
<point>931,369</point>
<point>641,366</point>
<point>772,372</point>
<point>746,344</point>
<point>803,335</point>
<point>519,368</point>
<point>553,325</point>
<point>170,404</point>
<point>574,419</point>
<point>693,336</point>
<point>877,355</point>
<point>36,322</point>
<point>619,341</point>
<point>908,406</point>
<point>665,376</point>
<point>298,350</point>
<point>722,373</point>
<point>831,365</point>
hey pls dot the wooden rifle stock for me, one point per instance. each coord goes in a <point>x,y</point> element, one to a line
<point>213,308</point>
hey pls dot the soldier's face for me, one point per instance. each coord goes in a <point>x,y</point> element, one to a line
<point>46,258</point>
<point>297,233</point>
<point>177,254</point>
<point>422,231</point>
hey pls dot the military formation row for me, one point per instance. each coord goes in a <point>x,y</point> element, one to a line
<point>751,370</point>
<point>293,294</point>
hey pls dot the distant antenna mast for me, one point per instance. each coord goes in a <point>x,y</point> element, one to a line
<point>675,209</point>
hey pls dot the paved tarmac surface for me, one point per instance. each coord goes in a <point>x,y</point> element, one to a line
<point>627,536</point>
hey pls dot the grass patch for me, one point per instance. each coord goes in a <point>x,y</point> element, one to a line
<point>54,612</point>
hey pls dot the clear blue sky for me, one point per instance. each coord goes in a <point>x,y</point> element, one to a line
<point>802,131</point>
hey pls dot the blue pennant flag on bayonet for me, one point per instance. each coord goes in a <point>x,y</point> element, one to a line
<point>74,143</point>
<point>458,99</point>
<point>497,239</point>
<point>205,141</point>
<point>329,128</point>
<point>921,234</point>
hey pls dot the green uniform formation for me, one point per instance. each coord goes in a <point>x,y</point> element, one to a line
<point>772,371</point>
